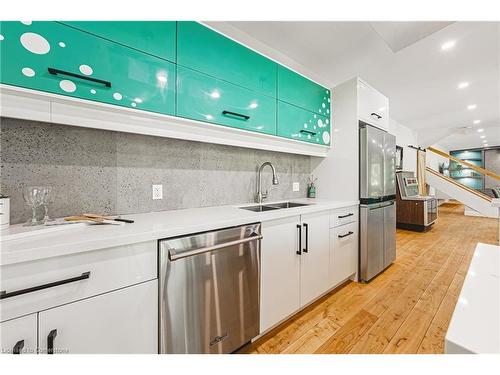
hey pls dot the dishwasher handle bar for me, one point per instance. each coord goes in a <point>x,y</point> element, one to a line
<point>185,254</point>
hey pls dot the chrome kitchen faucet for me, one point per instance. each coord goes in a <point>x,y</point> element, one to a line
<point>260,196</point>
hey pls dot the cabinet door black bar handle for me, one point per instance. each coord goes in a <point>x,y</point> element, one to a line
<point>18,347</point>
<point>376,114</point>
<point>306,249</point>
<point>344,216</point>
<point>299,251</point>
<point>307,132</point>
<point>55,72</point>
<point>245,117</point>
<point>345,235</point>
<point>50,341</point>
<point>83,276</point>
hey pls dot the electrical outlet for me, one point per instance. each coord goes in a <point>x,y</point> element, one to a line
<point>296,186</point>
<point>157,192</point>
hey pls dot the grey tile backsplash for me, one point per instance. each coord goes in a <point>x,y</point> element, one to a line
<point>109,172</point>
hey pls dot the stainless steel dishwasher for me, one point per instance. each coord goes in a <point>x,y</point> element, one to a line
<point>209,290</point>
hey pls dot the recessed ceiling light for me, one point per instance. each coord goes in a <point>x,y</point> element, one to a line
<point>485,145</point>
<point>484,141</point>
<point>480,130</point>
<point>448,45</point>
<point>477,121</point>
<point>483,136</point>
<point>463,85</point>
<point>470,107</point>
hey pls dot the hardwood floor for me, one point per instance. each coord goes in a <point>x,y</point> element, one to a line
<point>406,309</point>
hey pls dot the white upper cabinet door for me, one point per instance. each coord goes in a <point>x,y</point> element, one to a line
<point>18,336</point>
<point>315,256</point>
<point>373,107</point>
<point>123,321</point>
<point>343,252</point>
<point>280,271</point>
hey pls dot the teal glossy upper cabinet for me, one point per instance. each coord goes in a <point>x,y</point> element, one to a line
<point>209,52</point>
<point>205,98</point>
<point>52,57</point>
<point>157,38</point>
<point>303,125</point>
<point>295,89</point>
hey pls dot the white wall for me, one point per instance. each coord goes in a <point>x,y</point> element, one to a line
<point>405,137</point>
<point>433,160</point>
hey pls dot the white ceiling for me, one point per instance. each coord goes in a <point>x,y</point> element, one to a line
<point>420,79</point>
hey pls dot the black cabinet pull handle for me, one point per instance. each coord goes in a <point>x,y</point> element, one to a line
<point>55,72</point>
<point>344,216</point>
<point>345,235</point>
<point>306,249</point>
<point>4,294</point>
<point>50,341</point>
<point>307,132</point>
<point>299,251</point>
<point>245,117</point>
<point>376,114</point>
<point>18,347</point>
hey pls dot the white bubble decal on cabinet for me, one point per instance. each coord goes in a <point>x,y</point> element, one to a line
<point>326,137</point>
<point>35,43</point>
<point>85,69</point>
<point>320,123</point>
<point>93,92</point>
<point>62,44</point>
<point>117,96</point>
<point>1,37</point>
<point>28,72</point>
<point>27,23</point>
<point>67,85</point>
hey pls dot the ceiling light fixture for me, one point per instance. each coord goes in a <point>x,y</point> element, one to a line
<point>483,136</point>
<point>485,145</point>
<point>480,130</point>
<point>484,141</point>
<point>448,45</point>
<point>470,107</point>
<point>463,85</point>
<point>477,122</point>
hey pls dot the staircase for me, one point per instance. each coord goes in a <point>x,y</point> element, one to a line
<point>472,198</point>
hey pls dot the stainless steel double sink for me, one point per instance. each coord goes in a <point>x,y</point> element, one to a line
<point>274,206</point>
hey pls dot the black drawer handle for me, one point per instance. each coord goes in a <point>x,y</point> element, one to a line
<point>306,249</point>
<point>50,341</point>
<point>55,72</point>
<point>345,235</point>
<point>376,115</point>
<point>4,294</point>
<point>344,216</point>
<point>299,251</point>
<point>307,132</point>
<point>244,117</point>
<point>18,347</point>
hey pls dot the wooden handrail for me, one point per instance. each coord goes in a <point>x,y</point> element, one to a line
<point>462,186</point>
<point>460,161</point>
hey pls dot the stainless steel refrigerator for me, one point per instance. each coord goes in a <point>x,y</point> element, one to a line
<point>377,191</point>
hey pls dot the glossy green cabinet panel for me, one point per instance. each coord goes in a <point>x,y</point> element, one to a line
<point>302,92</point>
<point>204,98</point>
<point>302,125</point>
<point>209,52</point>
<point>106,72</point>
<point>157,38</point>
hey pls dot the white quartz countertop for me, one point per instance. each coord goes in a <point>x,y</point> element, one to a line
<point>147,227</point>
<point>475,324</point>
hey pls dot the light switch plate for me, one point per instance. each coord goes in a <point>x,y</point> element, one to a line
<point>295,186</point>
<point>157,192</point>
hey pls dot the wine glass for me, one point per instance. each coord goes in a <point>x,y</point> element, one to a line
<point>32,195</point>
<point>47,198</point>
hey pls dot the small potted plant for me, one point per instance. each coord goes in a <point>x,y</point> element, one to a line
<point>311,186</point>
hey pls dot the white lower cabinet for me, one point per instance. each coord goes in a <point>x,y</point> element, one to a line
<point>18,336</point>
<point>314,279</point>
<point>343,252</point>
<point>280,271</point>
<point>122,321</point>
<point>294,266</point>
